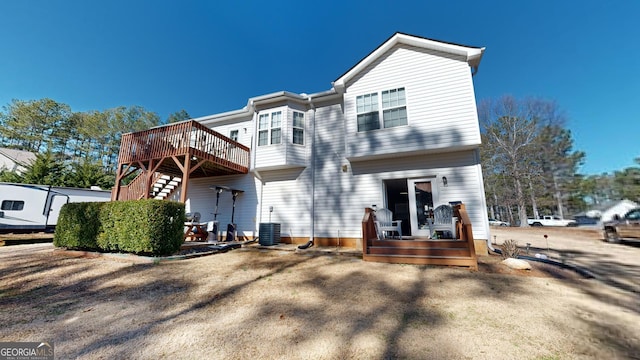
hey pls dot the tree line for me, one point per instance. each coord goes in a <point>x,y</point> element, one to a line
<point>76,149</point>
<point>530,168</point>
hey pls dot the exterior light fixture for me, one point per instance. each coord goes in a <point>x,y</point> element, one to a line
<point>444,181</point>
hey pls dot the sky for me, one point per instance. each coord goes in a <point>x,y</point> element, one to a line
<point>208,57</point>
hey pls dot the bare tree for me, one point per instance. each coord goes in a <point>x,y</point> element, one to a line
<point>512,131</point>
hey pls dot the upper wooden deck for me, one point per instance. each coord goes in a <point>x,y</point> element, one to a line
<point>186,149</point>
<point>221,155</point>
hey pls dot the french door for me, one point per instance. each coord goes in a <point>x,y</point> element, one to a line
<point>422,196</point>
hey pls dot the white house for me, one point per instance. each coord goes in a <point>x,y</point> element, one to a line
<point>398,130</point>
<point>15,160</point>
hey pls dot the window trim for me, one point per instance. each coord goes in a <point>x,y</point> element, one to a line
<point>381,109</point>
<point>269,128</point>
<point>268,116</point>
<point>231,131</point>
<point>364,112</point>
<point>294,127</point>
<point>272,128</point>
<point>263,130</point>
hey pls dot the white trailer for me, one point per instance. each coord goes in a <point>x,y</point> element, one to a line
<point>26,207</point>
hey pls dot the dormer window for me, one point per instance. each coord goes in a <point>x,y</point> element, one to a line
<point>394,110</point>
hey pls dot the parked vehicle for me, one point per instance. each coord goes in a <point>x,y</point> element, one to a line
<point>25,207</point>
<point>551,221</point>
<point>494,222</point>
<point>626,227</point>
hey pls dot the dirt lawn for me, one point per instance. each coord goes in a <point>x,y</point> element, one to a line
<point>271,304</point>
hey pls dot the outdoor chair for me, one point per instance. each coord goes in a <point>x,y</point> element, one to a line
<point>384,223</point>
<point>443,222</point>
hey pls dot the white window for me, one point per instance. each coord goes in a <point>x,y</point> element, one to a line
<point>394,110</point>
<point>367,108</point>
<point>270,128</point>
<point>276,128</point>
<point>263,130</point>
<point>233,135</point>
<point>298,128</point>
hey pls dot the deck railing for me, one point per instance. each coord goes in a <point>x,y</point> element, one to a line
<point>465,231</point>
<point>135,190</point>
<point>184,138</point>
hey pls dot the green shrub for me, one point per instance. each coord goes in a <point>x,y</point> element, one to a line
<point>78,226</point>
<point>142,226</point>
<point>153,227</point>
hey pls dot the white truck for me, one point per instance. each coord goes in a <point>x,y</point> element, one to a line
<point>548,220</point>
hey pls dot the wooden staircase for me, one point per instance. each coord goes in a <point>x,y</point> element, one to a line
<point>165,186</point>
<point>420,251</point>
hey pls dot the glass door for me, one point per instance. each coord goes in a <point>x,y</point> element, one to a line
<point>421,200</point>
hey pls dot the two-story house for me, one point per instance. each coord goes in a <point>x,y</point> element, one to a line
<point>399,130</point>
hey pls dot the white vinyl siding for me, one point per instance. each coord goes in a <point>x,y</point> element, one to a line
<point>440,104</point>
<point>460,169</point>
<point>202,199</point>
<point>284,129</point>
<point>433,89</point>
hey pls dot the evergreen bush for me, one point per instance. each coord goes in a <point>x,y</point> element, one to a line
<point>152,227</point>
<point>78,226</point>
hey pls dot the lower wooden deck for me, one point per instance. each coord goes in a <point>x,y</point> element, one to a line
<point>451,252</point>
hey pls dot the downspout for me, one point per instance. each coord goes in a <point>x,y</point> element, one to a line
<point>313,178</point>
<point>252,166</point>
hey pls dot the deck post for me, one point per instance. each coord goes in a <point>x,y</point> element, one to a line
<point>368,229</point>
<point>186,170</point>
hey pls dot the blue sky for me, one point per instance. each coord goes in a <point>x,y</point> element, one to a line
<point>211,56</point>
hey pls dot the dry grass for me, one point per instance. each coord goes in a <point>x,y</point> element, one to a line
<point>249,304</point>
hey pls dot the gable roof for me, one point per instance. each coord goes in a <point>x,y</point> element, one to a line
<point>472,54</point>
<point>20,157</point>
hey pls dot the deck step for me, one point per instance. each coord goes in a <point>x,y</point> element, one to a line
<point>467,261</point>
<point>165,186</point>
<point>421,251</point>
<point>450,243</point>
